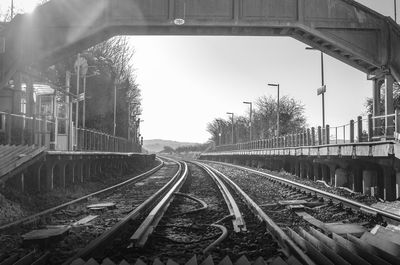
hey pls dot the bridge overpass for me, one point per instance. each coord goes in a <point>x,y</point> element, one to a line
<point>343,29</point>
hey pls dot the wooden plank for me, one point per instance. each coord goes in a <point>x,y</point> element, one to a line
<point>78,262</point>
<point>343,229</point>
<point>311,251</point>
<point>370,257</point>
<point>325,250</point>
<point>278,261</point>
<point>192,261</point>
<point>260,261</point>
<point>43,234</point>
<point>372,249</point>
<point>242,261</point>
<point>107,261</point>
<point>343,252</point>
<point>391,233</point>
<point>225,261</point>
<point>307,217</point>
<point>292,202</point>
<point>208,261</point>
<point>293,261</point>
<point>381,243</point>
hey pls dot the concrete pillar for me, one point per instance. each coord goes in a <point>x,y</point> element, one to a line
<point>389,184</point>
<point>62,175</point>
<point>49,176</point>
<point>303,170</point>
<point>341,178</point>
<point>357,175</point>
<point>297,168</point>
<point>325,173</point>
<point>316,173</point>
<point>332,170</point>
<point>370,182</point>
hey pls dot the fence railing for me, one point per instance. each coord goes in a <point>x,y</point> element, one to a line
<point>362,129</point>
<point>45,131</point>
<point>92,140</point>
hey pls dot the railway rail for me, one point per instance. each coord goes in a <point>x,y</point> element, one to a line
<point>329,228</point>
<point>80,223</point>
<point>235,229</point>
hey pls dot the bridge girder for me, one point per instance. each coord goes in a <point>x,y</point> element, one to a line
<point>344,29</point>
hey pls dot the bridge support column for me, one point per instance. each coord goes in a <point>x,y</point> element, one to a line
<point>303,170</point>
<point>357,174</point>
<point>370,182</point>
<point>297,168</point>
<point>316,169</point>
<point>49,176</point>
<point>310,171</point>
<point>341,178</point>
<point>389,184</point>
<point>325,173</point>
<point>62,176</point>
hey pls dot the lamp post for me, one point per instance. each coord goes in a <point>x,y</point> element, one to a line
<point>230,113</point>
<point>251,113</point>
<point>277,110</point>
<point>321,91</point>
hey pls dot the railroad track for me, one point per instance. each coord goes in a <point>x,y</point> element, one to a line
<point>78,222</point>
<point>330,228</point>
<point>209,219</point>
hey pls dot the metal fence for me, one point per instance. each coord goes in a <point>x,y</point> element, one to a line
<point>46,131</point>
<point>362,129</point>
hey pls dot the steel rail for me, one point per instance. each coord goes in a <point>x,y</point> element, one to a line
<point>238,221</point>
<point>347,202</point>
<point>150,223</point>
<point>119,227</point>
<point>34,217</point>
<point>288,246</point>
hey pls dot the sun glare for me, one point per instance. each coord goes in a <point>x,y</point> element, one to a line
<point>26,5</point>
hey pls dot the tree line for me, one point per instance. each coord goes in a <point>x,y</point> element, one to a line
<point>109,69</point>
<point>263,124</point>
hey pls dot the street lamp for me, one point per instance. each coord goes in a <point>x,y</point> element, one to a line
<point>321,91</point>
<point>251,113</point>
<point>230,113</point>
<point>277,110</point>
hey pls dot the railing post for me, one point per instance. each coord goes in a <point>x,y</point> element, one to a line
<point>327,134</point>
<point>312,136</point>
<point>319,135</point>
<point>370,128</point>
<point>308,137</point>
<point>351,131</point>
<point>359,129</point>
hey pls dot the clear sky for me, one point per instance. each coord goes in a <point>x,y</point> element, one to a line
<point>186,82</point>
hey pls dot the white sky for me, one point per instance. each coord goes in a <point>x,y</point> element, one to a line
<point>186,82</point>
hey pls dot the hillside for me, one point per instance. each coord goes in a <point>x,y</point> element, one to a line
<point>157,145</point>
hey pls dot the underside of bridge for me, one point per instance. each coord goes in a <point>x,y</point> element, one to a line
<point>344,29</point>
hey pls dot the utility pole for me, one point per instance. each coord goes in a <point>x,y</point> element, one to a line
<point>322,90</point>
<point>230,113</point>
<point>251,113</point>
<point>395,10</point>
<point>277,110</point>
